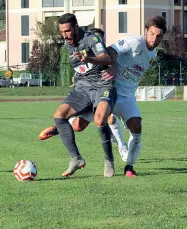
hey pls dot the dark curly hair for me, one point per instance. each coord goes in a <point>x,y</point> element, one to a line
<point>157,21</point>
<point>68,18</point>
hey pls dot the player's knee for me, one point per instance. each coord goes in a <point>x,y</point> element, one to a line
<point>99,120</point>
<point>111,119</point>
<point>58,114</point>
<point>63,111</point>
<point>135,125</point>
<point>79,124</point>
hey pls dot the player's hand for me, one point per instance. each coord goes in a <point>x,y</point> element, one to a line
<point>108,75</point>
<point>80,56</point>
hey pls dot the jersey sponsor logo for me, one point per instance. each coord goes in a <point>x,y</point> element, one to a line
<point>83,52</point>
<point>83,68</point>
<point>129,72</point>
<point>121,42</point>
<point>95,39</point>
<point>99,47</point>
<point>138,68</point>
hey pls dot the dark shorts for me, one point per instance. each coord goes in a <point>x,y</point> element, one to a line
<point>82,98</point>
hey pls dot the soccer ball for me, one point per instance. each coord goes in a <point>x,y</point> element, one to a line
<point>25,170</point>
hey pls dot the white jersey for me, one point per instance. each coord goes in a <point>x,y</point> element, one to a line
<point>132,61</point>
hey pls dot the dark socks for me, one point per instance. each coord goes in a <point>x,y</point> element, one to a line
<point>104,132</point>
<point>67,136</point>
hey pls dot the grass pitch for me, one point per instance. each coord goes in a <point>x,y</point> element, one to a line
<point>157,198</point>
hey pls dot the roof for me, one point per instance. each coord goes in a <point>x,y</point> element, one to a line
<point>3,35</point>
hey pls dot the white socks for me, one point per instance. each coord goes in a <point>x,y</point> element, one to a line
<point>118,133</point>
<point>134,145</point>
<point>72,119</point>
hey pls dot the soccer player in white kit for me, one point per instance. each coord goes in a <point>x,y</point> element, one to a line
<point>131,57</point>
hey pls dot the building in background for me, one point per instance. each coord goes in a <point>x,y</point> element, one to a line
<point>117,18</point>
<point>22,16</point>
<point>2,48</point>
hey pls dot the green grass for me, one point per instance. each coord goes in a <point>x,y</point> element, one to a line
<point>156,199</point>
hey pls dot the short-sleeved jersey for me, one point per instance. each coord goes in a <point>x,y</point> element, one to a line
<point>132,61</point>
<point>88,74</point>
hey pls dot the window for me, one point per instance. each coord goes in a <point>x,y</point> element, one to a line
<point>52,3</point>
<point>177,2</point>
<point>122,22</point>
<point>122,2</point>
<point>83,3</point>
<point>164,14</point>
<point>24,3</point>
<point>25,52</point>
<point>25,25</point>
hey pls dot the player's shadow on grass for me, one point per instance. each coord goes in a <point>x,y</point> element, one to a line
<point>161,171</point>
<point>174,170</point>
<point>153,160</point>
<point>67,178</point>
<point>6,171</point>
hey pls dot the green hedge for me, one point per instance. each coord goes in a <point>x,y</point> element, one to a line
<point>52,92</point>
<point>35,91</point>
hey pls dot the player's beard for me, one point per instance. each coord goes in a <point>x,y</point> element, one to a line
<point>150,47</point>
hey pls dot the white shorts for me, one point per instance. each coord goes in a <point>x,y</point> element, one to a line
<point>126,108</point>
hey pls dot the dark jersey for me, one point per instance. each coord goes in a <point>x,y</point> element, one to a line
<point>88,74</point>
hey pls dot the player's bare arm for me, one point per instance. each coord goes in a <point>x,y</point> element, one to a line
<point>112,53</point>
<point>109,73</point>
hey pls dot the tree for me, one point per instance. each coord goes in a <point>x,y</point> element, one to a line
<point>175,44</point>
<point>67,71</point>
<point>45,54</point>
<point>33,65</point>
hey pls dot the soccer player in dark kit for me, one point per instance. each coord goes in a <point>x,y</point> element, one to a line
<point>89,58</point>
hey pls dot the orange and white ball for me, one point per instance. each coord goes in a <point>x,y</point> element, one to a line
<point>25,170</point>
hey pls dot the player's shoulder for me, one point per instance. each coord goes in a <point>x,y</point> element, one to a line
<point>92,37</point>
<point>132,41</point>
<point>136,40</point>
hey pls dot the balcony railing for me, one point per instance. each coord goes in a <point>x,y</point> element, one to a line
<point>83,2</point>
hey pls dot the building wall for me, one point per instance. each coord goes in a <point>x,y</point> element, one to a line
<point>2,53</point>
<point>106,17</point>
<point>138,11</point>
<point>112,9</point>
<point>37,12</point>
<point>157,7</point>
